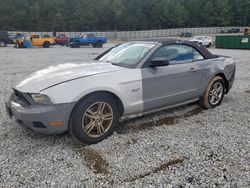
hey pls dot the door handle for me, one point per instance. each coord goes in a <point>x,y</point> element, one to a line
<point>192,69</point>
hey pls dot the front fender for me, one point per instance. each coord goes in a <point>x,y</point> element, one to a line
<point>127,88</point>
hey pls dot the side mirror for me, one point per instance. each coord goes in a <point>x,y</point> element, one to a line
<point>158,62</point>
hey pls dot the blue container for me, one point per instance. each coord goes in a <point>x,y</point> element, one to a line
<point>27,44</point>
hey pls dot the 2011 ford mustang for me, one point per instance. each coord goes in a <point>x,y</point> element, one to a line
<point>129,80</point>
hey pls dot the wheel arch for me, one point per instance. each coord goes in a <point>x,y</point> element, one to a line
<point>47,42</point>
<point>114,96</point>
<point>221,74</point>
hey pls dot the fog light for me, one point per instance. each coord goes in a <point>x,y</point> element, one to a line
<point>56,123</point>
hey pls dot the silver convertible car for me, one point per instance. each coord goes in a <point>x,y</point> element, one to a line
<point>129,80</point>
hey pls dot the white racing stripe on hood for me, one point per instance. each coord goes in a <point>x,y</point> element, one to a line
<point>56,74</point>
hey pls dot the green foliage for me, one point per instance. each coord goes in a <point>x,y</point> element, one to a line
<point>102,15</point>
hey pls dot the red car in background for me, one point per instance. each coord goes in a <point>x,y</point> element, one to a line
<point>62,39</point>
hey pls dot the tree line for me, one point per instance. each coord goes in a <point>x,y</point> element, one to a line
<point>103,15</point>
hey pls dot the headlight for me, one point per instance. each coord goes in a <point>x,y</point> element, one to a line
<point>41,99</point>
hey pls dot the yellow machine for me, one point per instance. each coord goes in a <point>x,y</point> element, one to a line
<point>247,31</point>
<point>37,40</point>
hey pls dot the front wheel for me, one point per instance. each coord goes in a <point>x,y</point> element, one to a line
<point>75,45</point>
<point>94,118</point>
<point>99,44</point>
<point>214,93</point>
<point>46,44</point>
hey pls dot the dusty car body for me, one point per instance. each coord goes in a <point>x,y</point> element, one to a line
<point>36,40</point>
<point>127,81</point>
<point>62,39</point>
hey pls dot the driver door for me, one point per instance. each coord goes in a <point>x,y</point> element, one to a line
<point>173,84</point>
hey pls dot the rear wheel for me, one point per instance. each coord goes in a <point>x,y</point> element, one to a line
<point>99,44</point>
<point>209,45</point>
<point>214,93</point>
<point>94,118</point>
<point>2,43</point>
<point>46,44</point>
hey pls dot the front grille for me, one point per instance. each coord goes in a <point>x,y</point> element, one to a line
<point>20,98</point>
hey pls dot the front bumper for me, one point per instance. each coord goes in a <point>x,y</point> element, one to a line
<point>40,118</point>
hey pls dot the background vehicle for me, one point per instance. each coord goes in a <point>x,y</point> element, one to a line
<point>5,39</point>
<point>86,40</point>
<point>45,42</point>
<point>19,35</point>
<point>127,81</point>
<point>234,30</point>
<point>204,40</point>
<point>62,39</point>
<point>186,34</point>
<point>247,31</point>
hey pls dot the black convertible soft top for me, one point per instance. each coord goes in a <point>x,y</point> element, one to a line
<point>200,48</point>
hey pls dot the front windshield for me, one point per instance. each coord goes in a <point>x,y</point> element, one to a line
<point>129,54</point>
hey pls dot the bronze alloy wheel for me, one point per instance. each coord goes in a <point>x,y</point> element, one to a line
<point>97,119</point>
<point>216,93</point>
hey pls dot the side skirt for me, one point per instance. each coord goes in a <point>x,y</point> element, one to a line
<point>123,118</point>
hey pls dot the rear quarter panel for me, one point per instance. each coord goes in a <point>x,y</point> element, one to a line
<point>212,67</point>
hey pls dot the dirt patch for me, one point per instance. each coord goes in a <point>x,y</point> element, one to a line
<point>92,158</point>
<point>248,91</point>
<point>162,167</point>
<point>169,120</point>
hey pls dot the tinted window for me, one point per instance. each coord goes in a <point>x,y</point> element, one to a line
<point>35,36</point>
<point>176,54</point>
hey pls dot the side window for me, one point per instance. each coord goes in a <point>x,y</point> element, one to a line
<point>197,55</point>
<point>36,36</point>
<point>177,54</point>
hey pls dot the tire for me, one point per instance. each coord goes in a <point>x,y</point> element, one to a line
<point>214,93</point>
<point>46,44</point>
<point>209,45</point>
<point>86,113</point>
<point>99,44</point>
<point>75,45</point>
<point>2,43</point>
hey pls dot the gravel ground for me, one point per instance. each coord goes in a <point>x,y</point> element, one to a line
<point>184,147</point>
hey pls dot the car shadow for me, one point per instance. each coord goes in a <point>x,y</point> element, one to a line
<point>165,117</point>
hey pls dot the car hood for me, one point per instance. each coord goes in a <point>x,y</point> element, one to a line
<point>61,73</point>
